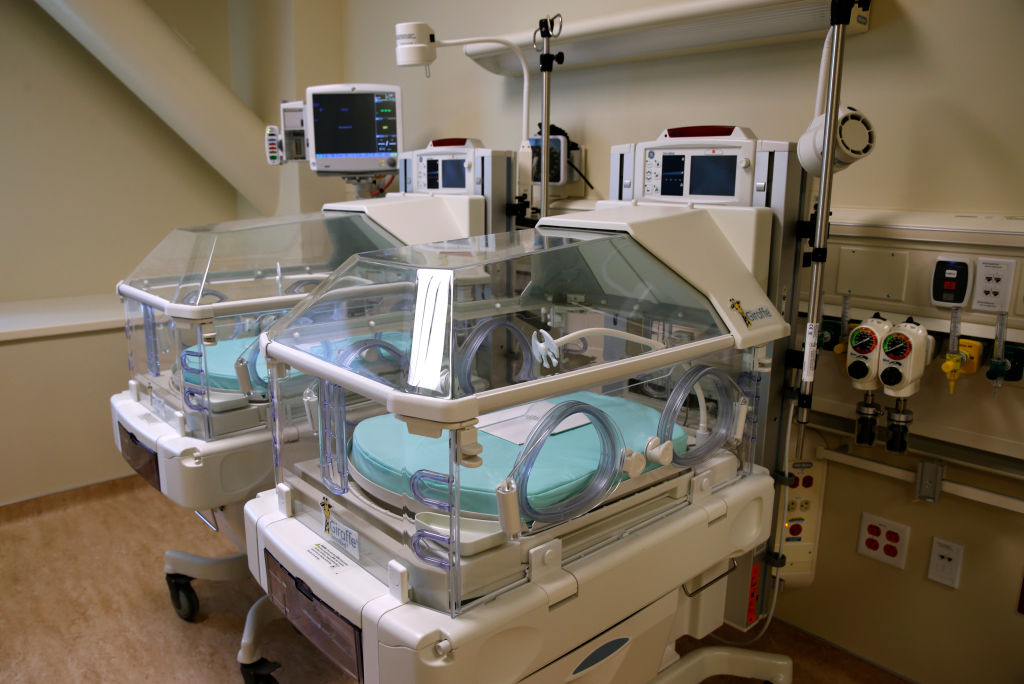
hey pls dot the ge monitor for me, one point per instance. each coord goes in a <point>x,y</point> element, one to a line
<point>353,128</point>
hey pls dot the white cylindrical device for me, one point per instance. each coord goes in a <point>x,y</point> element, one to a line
<point>414,44</point>
<point>855,138</point>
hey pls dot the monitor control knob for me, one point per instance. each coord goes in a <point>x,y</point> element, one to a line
<point>392,162</point>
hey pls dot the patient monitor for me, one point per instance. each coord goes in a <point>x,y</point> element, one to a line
<point>351,129</point>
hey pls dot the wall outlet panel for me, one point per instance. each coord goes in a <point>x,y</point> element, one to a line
<point>946,562</point>
<point>802,521</point>
<point>993,284</point>
<point>883,540</point>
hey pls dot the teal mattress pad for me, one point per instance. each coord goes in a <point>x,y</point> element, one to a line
<point>385,453</point>
<point>221,357</point>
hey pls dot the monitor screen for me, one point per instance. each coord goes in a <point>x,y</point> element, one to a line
<point>453,173</point>
<point>353,131</point>
<point>713,175</point>
<point>432,175</point>
<point>672,168</point>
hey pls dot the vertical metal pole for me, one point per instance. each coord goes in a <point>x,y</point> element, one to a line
<point>821,229</point>
<point>545,124</point>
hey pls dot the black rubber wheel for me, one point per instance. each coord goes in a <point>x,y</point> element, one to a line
<point>183,596</point>
<point>259,672</point>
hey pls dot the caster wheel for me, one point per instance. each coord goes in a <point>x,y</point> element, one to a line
<point>183,596</point>
<point>259,672</point>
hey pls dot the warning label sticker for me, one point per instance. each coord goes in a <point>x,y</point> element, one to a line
<point>325,554</point>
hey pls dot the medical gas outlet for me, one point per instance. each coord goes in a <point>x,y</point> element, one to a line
<point>862,354</point>
<point>951,284</point>
<point>904,353</point>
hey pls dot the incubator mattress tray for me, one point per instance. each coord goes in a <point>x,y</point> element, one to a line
<point>386,454</point>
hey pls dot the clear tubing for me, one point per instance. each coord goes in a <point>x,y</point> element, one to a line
<point>1000,349</point>
<point>349,354</point>
<point>954,330</point>
<point>727,394</point>
<point>603,480</point>
<point>473,343</point>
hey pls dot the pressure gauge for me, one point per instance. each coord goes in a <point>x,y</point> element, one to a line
<point>897,346</point>
<point>863,340</point>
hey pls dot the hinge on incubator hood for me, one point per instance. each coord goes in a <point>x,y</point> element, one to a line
<point>700,495</point>
<point>546,572</point>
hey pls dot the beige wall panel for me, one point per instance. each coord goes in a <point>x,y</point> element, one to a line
<point>56,413</point>
<point>899,618</point>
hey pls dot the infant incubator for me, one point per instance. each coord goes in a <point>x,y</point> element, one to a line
<point>522,457</point>
<point>193,419</point>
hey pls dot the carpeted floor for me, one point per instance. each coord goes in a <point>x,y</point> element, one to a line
<point>83,599</point>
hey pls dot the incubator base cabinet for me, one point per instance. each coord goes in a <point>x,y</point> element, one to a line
<point>193,420</point>
<point>526,457</point>
<point>612,613</point>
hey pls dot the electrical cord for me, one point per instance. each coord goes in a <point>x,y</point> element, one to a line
<point>778,571</point>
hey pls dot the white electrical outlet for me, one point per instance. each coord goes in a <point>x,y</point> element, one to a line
<point>946,560</point>
<point>883,540</point>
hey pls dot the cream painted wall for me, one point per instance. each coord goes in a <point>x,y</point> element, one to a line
<point>56,413</point>
<point>91,179</point>
<point>898,618</point>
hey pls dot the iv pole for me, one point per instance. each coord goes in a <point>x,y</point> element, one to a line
<point>840,14</point>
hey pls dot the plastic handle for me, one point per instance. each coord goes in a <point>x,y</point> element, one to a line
<point>189,394</point>
<point>185,355</point>
<point>418,477</point>
<point>419,547</point>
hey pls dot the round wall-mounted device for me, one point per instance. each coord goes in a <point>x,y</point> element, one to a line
<point>855,138</point>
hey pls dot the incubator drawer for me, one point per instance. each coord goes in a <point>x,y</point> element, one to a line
<point>139,457</point>
<point>335,636</point>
